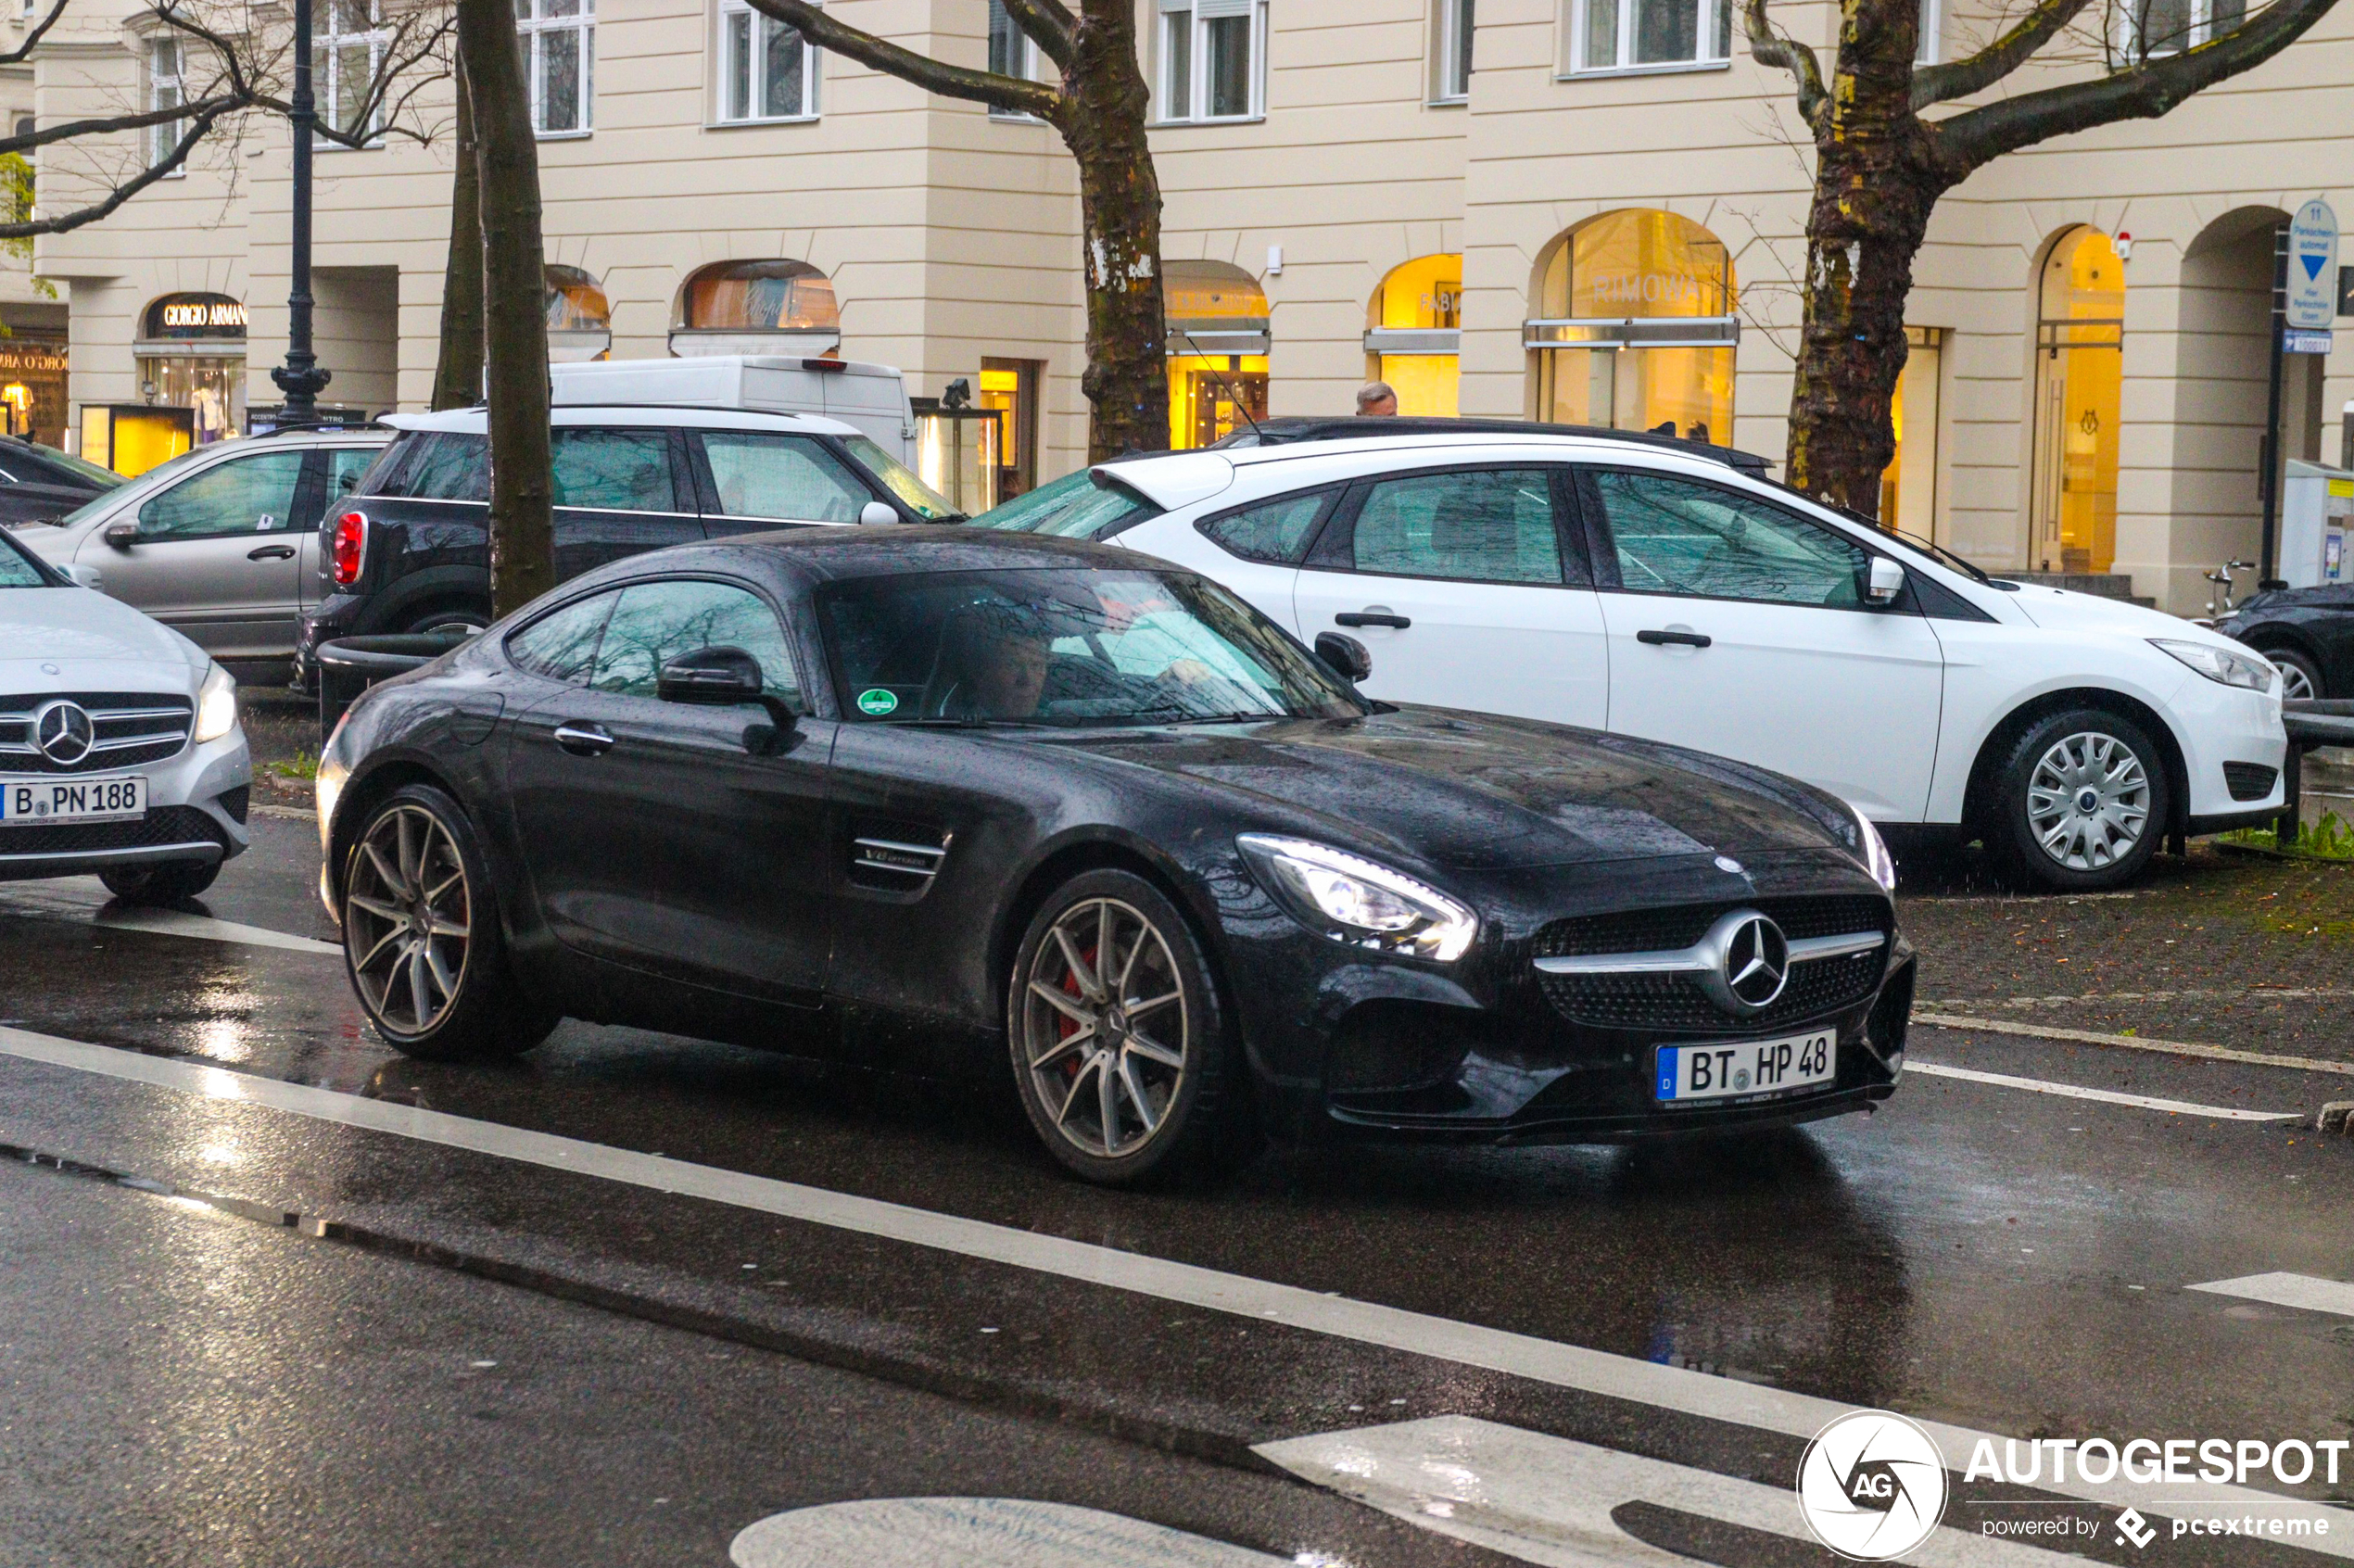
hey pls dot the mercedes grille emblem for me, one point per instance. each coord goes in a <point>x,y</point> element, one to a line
<point>1752,962</point>
<point>64,732</point>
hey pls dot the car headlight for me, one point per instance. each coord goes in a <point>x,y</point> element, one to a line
<point>1354,900</point>
<point>1874,849</point>
<point>216,705</point>
<point>2227,666</point>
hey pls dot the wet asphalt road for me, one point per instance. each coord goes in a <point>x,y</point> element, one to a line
<point>279,1363</point>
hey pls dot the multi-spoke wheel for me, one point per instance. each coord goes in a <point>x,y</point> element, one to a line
<point>421,935</point>
<point>2082,802</point>
<point>1116,1031</point>
<point>2300,676</point>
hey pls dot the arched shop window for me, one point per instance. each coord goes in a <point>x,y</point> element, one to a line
<point>1218,323</point>
<point>2080,360</point>
<point>1635,327</point>
<point>1414,327</point>
<point>773,307</point>
<point>190,359</point>
<point>579,317</point>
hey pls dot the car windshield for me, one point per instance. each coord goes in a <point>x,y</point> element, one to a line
<point>1066,646</point>
<point>900,481</point>
<point>151,480</point>
<point>18,569</point>
<point>1084,505</point>
<point>105,478</point>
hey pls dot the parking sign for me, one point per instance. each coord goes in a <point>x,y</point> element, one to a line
<point>2312,266</point>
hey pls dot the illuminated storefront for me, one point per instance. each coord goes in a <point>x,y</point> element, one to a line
<point>1635,327</point>
<point>1908,484</point>
<point>191,356</point>
<point>2080,355</point>
<point>579,318</point>
<point>1413,331</point>
<point>1217,344</point>
<point>32,389</point>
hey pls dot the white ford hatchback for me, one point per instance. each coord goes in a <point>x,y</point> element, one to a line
<point>1634,586</point>
<point>121,753</point>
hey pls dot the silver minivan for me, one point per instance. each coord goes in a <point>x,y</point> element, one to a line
<point>221,543</point>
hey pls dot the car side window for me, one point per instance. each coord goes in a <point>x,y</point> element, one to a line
<point>1491,526</point>
<point>1275,531</point>
<point>344,465</point>
<point>563,646</point>
<point>655,623</point>
<point>613,470</point>
<point>245,495</point>
<point>447,467</point>
<point>788,477</point>
<point>1683,537</point>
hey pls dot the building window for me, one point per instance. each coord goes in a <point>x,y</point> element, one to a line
<point>1413,331</point>
<point>1453,84</point>
<point>560,58</point>
<point>2166,26</point>
<point>346,54</point>
<point>769,71</point>
<point>1925,50</point>
<point>1634,34</point>
<point>1211,59</point>
<point>1011,53</point>
<point>1637,328</point>
<point>164,92</point>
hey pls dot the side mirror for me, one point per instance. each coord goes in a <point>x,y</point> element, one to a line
<point>710,676</point>
<point>122,535</point>
<point>1886,581</point>
<point>875,513</point>
<point>1344,655</point>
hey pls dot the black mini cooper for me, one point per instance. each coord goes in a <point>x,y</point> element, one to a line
<point>945,802</point>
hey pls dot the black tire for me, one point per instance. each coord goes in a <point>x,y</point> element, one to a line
<point>1187,1122</point>
<point>2298,670</point>
<point>2045,829</point>
<point>170,881</point>
<point>416,895</point>
<point>443,617</point>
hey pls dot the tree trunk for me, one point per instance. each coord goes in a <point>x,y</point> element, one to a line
<point>522,557</point>
<point>1877,176</point>
<point>457,378</point>
<point>1102,120</point>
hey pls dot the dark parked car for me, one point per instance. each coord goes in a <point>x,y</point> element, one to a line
<point>2308,632</point>
<point>38,482</point>
<point>409,552</point>
<point>990,803</point>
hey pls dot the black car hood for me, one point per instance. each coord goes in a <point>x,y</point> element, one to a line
<point>1474,792</point>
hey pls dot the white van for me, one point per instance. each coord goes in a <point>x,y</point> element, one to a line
<point>871,398</point>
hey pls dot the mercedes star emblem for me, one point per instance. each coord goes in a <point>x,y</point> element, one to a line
<point>64,732</point>
<point>1751,962</point>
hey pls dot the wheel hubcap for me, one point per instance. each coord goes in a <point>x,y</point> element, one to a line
<point>2088,801</point>
<point>1105,1028</point>
<point>407,919</point>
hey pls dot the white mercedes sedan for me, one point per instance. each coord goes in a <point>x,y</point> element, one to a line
<point>121,753</point>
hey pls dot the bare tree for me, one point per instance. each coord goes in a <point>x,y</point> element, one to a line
<point>1099,107</point>
<point>457,376</point>
<point>1880,166</point>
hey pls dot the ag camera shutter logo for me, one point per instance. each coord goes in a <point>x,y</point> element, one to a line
<point>1872,1485</point>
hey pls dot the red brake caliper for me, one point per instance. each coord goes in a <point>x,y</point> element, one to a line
<point>1067,1026</point>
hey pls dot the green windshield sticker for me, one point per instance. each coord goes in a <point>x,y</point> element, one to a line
<point>878,702</point>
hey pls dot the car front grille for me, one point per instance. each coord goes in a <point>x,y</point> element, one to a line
<point>164,824</point>
<point>2248,781</point>
<point>1676,1002</point>
<point>131,728</point>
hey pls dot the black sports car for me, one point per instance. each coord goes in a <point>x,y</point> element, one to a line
<point>2308,632</point>
<point>933,800</point>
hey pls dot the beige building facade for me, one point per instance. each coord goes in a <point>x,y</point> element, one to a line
<point>1584,210</point>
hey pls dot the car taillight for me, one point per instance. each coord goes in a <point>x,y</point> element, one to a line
<point>351,547</point>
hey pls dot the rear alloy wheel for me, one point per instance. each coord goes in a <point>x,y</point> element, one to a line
<point>1117,1032</point>
<point>2082,802</point>
<point>172,882</point>
<point>453,617</point>
<point>2300,676</point>
<point>420,935</point>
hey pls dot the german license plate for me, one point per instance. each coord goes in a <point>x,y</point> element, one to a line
<point>23,802</point>
<point>1718,1072</point>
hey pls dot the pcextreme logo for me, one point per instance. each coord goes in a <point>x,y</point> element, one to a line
<point>1872,1485</point>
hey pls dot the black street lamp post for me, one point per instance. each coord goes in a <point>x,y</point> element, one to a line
<point>300,378</point>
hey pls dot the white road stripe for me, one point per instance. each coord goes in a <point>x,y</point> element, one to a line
<point>2134,1042</point>
<point>2106,1096</point>
<point>976,1533</point>
<point>2288,1290</point>
<point>70,898</point>
<point>1548,1500</point>
<point>1364,1322</point>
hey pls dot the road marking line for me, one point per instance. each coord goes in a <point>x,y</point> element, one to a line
<point>1525,1355</point>
<point>1550,1501</point>
<point>2287,1290</point>
<point>977,1533</point>
<point>2106,1096</point>
<point>2241,994</point>
<point>2134,1042</point>
<point>73,903</point>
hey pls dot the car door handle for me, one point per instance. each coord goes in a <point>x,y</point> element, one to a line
<point>1680,638</point>
<point>272,552</point>
<point>584,740</point>
<point>1370,618</point>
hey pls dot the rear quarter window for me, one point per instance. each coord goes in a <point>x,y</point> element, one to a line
<point>432,465</point>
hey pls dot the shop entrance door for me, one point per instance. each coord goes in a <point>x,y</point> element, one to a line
<point>2079,363</point>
